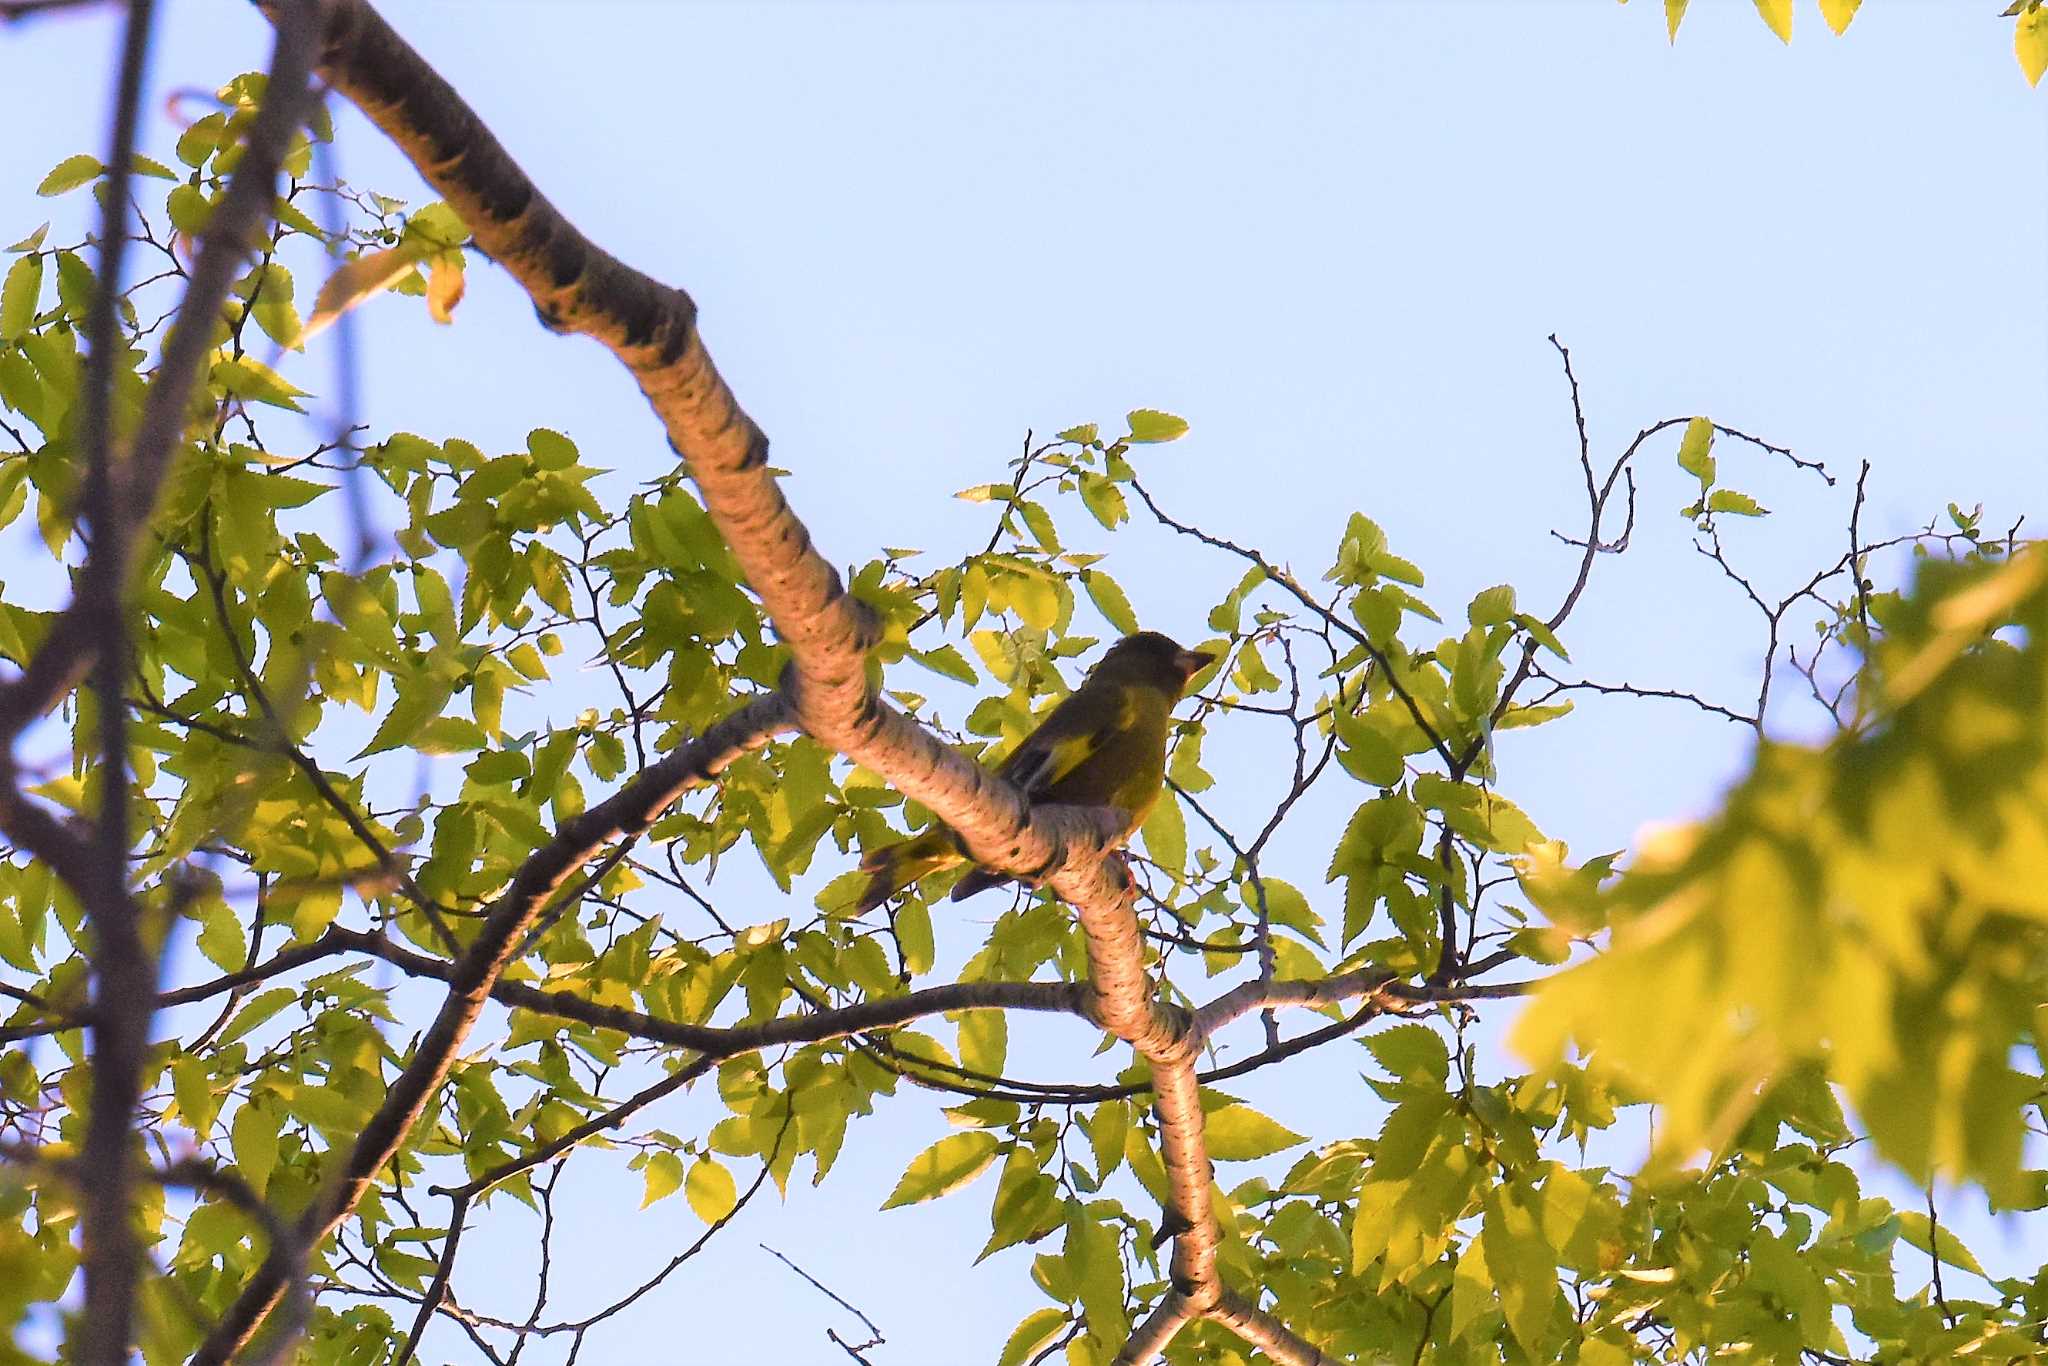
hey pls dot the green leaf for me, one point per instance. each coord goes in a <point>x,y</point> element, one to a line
<point>1040,523</point>
<point>255,1011</point>
<point>1104,500</point>
<point>663,1175</point>
<point>1039,1327</point>
<point>1936,1241</point>
<point>1108,1128</point>
<point>1471,1289</point>
<point>1695,451</point>
<point>69,174</point>
<point>984,1040</point>
<point>1027,1204</point>
<point>1150,425</point>
<point>247,377</point>
<point>1365,753</point>
<point>914,933</point>
<point>1740,504</point>
<point>1523,1265</point>
<point>1410,1051</point>
<point>270,289</point>
<point>1093,1255</point>
<point>1166,835</point>
<point>192,1086</point>
<point>253,1138</point>
<point>948,662</point>
<point>710,1190</point>
<point>1109,600</point>
<point>18,295</point>
<point>1540,632</point>
<point>1238,1133</point>
<point>944,1167</point>
<point>1492,607</point>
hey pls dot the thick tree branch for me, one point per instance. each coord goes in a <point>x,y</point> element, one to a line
<point>652,329</point>
<point>1267,1333</point>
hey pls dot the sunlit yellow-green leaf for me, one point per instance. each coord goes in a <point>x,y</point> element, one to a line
<point>18,295</point>
<point>1238,1133</point>
<point>69,174</point>
<point>944,1167</point>
<point>661,1178</point>
<point>1148,424</point>
<point>710,1190</point>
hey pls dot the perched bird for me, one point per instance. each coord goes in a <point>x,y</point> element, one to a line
<point>1103,745</point>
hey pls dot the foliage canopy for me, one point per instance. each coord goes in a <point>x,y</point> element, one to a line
<point>398,1001</point>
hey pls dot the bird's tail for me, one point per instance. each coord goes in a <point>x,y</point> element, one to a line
<point>893,867</point>
<point>979,880</point>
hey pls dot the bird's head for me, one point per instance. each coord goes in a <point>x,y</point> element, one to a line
<point>1154,660</point>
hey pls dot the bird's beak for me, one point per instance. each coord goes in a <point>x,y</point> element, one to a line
<point>1192,662</point>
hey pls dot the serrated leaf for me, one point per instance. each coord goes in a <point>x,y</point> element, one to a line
<point>248,378</point>
<point>18,295</point>
<point>1166,836</point>
<point>1696,451</point>
<point>1540,632</point>
<point>1492,607</point>
<point>255,1011</point>
<point>1936,1241</point>
<point>1412,1050</point>
<point>663,1177</point>
<point>69,174</point>
<point>944,1167</point>
<point>984,1040</point>
<point>1150,425</point>
<point>1238,1133</point>
<point>1522,1264</point>
<point>1039,1327</point>
<point>1739,504</point>
<point>253,1139</point>
<point>946,661</point>
<point>1109,600</point>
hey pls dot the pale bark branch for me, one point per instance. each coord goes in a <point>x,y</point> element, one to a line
<point>1267,1333</point>
<point>652,329</point>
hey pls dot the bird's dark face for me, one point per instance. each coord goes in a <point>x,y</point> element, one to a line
<point>1153,659</point>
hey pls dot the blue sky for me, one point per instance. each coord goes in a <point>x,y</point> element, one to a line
<point>1333,237</point>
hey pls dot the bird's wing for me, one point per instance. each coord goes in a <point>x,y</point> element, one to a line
<point>1071,731</point>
